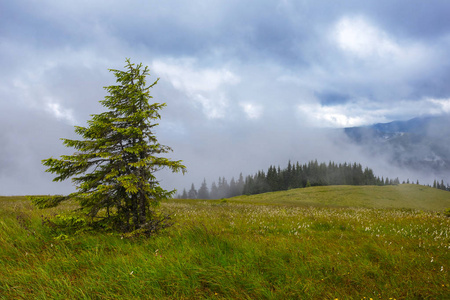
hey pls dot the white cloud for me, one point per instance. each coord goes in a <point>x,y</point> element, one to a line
<point>203,85</point>
<point>439,105</point>
<point>184,75</point>
<point>364,112</point>
<point>372,62</point>
<point>213,108</point>
<point>356,35</point>
<point>346,115</point>
<point>253,111</point>
<point>361,39</point>
<point>60,113</point>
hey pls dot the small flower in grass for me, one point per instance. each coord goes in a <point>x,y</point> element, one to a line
<point>131,273</point>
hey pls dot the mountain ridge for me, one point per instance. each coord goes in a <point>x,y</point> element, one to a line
<point>420,144</point>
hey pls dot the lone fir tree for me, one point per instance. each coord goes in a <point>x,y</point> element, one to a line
<point>115,164</point>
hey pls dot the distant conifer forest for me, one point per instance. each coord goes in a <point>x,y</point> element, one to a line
<point>293,176</point>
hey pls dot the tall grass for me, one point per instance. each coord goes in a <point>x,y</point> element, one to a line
<point>232,250</point>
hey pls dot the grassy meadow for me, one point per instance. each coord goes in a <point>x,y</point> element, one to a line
<point>335,242</point>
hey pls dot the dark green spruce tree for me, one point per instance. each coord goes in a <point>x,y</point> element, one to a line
<point>203,192</point>
<point>113,168</point>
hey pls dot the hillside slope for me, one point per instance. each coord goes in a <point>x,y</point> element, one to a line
<point>408,196</point>
<point>403,196</point>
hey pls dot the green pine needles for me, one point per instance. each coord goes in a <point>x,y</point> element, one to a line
<point>114,165</point>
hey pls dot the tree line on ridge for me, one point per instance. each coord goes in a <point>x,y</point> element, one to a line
<point>293,176</point>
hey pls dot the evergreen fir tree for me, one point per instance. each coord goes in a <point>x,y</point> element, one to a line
<point>214,193</point>
<point>203,192</point>
<point>272,179</point>
<point>240,184</point>
<point>114,166</point>
<point>192,194</point>
<point>223,188</point>
<point>234,190</point>
<point>249,186</point>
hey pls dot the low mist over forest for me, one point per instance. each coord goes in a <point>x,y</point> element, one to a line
<point>417,150</point>
<point>294,176</point>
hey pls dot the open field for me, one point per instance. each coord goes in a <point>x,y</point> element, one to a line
<point>314,243</point>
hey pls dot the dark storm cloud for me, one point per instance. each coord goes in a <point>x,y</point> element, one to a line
<point>330,98</point>
<point>247,83</point>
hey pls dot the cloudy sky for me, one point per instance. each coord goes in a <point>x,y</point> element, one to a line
<point>247,83</point>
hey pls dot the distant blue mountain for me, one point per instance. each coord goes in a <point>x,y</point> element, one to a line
<point>418,126</point>
<point>421,143</point>
<point>414,125</point>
